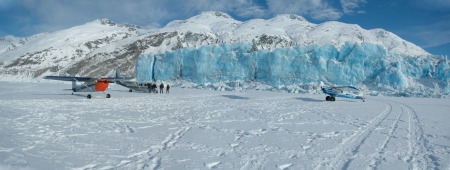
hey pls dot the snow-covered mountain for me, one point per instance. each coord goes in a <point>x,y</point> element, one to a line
<point>97,48</point>
<point>59,52</point>
<point>287,30</point>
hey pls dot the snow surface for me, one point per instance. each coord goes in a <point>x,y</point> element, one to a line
<point>364,64</point>
<point>44,127</point>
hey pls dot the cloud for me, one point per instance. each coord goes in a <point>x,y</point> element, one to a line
<point>252,11</point>
<point>439,5</point>
<point>52,15</point>
<point>5,4</point>
<point>54,12</point>
<point>316,9</point>
<point>2,34</point>
<point>242,8</point>
<point>153,25</point>
<point>348,6</point>
<point>326,14</point>
<point>433,35</point>
<point>428,36</point>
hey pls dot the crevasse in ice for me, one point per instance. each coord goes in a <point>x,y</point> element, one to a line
<point>352,64</point>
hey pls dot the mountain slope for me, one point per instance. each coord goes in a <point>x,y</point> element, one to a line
<point>47,53</point>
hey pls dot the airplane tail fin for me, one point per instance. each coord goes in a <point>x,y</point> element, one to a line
<point>117,77</point>
<point>74,86</point>
<point>117,73</point>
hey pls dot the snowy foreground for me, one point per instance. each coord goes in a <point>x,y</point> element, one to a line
<point>44,127</point>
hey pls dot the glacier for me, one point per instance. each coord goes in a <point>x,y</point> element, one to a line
<point>363,64</point>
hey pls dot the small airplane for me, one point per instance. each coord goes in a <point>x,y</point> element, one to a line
<point>89,84</point>
<point>137,86</point>
<point>343,91</point>
<point>134,85</point>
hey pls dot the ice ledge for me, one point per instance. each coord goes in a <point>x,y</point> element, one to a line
<point>365,64</point>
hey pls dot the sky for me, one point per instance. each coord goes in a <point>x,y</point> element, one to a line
<point>425,23</point>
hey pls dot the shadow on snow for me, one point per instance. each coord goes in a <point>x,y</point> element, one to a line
<point>235,97</point>
<point>308,99</point>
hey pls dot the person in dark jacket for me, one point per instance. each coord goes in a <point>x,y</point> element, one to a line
<point>154,87</point>
<point>167,88</point>
<point>149,86</point>
<point>161,88</point>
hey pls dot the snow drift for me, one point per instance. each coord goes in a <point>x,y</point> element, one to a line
<point>363,64</point>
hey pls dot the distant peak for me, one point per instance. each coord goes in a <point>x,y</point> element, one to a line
<point>216,13</point>
<point>289,17</point>
<point>213,14</point>
<point>221,14</point>
<point>296,17</point>
<point>105,22</point>
<point>8,37</point>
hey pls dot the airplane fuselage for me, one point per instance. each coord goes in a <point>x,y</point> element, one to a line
<point>135,86</point>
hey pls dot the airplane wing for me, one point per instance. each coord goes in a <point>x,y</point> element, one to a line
<point>89,79</point>
<point>346,88</point>
<point>118,77</point>
<point>84,79</point>
<point>114,79</point>
<point>68,78</point>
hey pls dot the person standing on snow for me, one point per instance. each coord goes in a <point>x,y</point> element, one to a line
<point>154,88</point>
<point>149,86</point>
<point>161,87</point>
<point>167,88</point>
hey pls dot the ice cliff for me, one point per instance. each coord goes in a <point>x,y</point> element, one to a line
<point>362,64</point>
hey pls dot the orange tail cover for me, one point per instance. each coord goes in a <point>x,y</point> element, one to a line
<point>101,85</point>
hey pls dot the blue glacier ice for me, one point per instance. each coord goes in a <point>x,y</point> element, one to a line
<point>353,64</point>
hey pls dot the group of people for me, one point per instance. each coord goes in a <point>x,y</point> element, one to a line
<point>152,88</point>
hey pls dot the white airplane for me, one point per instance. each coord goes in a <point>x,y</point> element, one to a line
<point>89,84</point>
<point>343,91</point>
<point>134,85</point>
<point>137,86</point>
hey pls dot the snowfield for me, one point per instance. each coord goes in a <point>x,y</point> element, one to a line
<point>45,127</point>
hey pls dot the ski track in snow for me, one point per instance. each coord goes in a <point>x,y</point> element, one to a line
<point>344,153</point>
<point>386,123</point>
<point>45,128</point>
<point>419,151</point>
